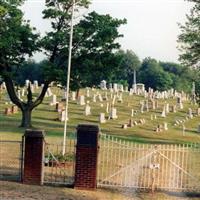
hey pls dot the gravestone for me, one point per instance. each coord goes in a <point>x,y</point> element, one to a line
<point>124,126</point>
<point>81,100</point>
<point>87,110</point>
<point>107,107</point>
<point>73,96</point>
<point>87,93</point>
<point>49,92</point>
<point>142,107</point>
<point>120,100</point>
<point>132,112</point>
<point>14,109</point>
<point>54,100</point>
<point>115,88</point>
<point>8,111</point>
<point>113,113</point>
<point>59,107</point>
<point>167,108</point>
<point>165,126</point>
<point>102,118</point>
<point>103,85</point>
<point>163,112</point>
<point>94,98</point>
<point>190,115</point>
<point>113,101</point>
<point>62,116</point>
<point>130,123</point>
<point>27,83</point>
<point>35,83</point>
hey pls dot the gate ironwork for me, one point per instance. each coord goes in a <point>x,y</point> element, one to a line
<point>11,160</point>
<point>147,166</point>
<point>59,169</point>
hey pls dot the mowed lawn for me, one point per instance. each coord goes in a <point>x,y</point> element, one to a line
<point>46,118</point>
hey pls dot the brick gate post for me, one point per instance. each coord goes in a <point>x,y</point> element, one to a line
<point>33,157</point>
<point>86,157</point>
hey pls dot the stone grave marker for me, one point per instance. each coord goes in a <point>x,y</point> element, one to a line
<point>59,107</point>
<point>102,118</point>
<point>81,100</point>
<point>113,113</point>
<point>8,111</point>
<point>190,115</point>
<point>14,109</point>
<point>87,110</point>
<point>62,116</point>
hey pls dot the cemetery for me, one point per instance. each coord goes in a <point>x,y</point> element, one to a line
<point>149,117</point>
<point>82,116</point>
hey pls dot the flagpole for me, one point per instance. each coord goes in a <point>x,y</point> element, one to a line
<point>68,79</point>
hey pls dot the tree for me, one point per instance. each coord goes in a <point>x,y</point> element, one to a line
<point>152,75</point>
<point>189,38</point>
<point>17,41</point>
<point>93,43</point>
<point>127,67</point>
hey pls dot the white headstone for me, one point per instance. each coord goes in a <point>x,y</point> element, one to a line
<point>73,96</point>
<point>27,83</point>
<point>102,118</point>
<point>113,113</point>
<point>62,116</point>
<point>115,88</point>
<point>35,83</point>
<point>190,113</point>
<point>54,100</point>
<point>81,100</point>
<point>87,93</point>
<point>87,110</point>
<point>103,85</point>
<point>165,126</point>
<point>107,107</point>
<point>167,108</point>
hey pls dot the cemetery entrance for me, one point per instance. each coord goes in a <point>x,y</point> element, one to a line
<point>11,160</point>
<point>58,168</point>
<point>148,166</point>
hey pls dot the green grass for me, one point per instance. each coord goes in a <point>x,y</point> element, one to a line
<point>44,117</point>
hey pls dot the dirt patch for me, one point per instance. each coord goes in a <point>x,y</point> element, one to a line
<point>17,191</point>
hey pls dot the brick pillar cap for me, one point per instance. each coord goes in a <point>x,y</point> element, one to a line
<point>88,127</point>
<point>34,133</point>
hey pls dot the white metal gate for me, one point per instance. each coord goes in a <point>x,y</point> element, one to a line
<point>148,166</point>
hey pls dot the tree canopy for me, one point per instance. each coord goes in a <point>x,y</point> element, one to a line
<point>189,38</point>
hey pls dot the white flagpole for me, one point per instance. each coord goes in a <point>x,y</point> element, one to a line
<point>68,78</point>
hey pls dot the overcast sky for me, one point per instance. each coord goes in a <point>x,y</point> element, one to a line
<point>151,30</point>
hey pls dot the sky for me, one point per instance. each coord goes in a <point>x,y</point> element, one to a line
<point>151,30</point>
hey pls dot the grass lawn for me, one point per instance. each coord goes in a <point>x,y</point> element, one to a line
<point>45,117</point>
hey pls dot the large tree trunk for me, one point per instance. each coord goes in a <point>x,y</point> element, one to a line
<point>26,107</point>
<point>26,118</point>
